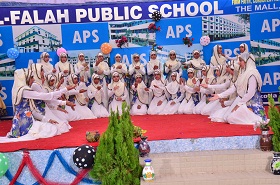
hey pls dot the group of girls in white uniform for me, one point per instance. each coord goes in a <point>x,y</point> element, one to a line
<point>47,97</point>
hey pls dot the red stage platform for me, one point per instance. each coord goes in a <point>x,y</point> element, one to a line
<point>158,128</point>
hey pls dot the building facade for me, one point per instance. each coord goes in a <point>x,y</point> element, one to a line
<point>37,39</point>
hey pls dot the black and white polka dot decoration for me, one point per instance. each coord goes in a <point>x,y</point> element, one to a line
<point>83,156</point>
<point>156,16</point>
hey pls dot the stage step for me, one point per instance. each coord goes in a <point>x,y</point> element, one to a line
<point>225,167</point>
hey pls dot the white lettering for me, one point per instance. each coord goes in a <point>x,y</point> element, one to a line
<point>3,93</point>
<point>80,13</point>
<point>95,36</point>
<point>26,18</point>
<point>265,26</point>
<point>209,8</point>
<point>267,79</point>
<point>97,15</point>
<point>61,16</point>
<point>275,23</point>
<point>180,9</point>
<point>36,17</point>
<point>189,32</point>
<point>86,34</point>
<point>276,77</point>
<point>106,14</point>
<point>49,17</point>
<point>195,7</point>
<point>170,32</point>
<point>216,8</point>
<point>133,10</point>
<point>168,7</point>
<point>14,16</point>
<point>151,9</point>
<point>77,37</point>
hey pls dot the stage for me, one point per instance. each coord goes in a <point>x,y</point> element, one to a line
<point>172,133</point>
<point>168,127</point>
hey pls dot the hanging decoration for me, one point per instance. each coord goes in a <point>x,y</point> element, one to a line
<point>106,48</point>
<point>26,161</point>
<point>83,156</point>
<point>204,40</point>
<point>13,53</point>
<point>153,27</point>
<point>156,48</point>
<point>92,136</point>
<point>156,16</point>
<point>122,42</point>
<point>60,50</point>
<point>4,164</point>
<point>188,41</point>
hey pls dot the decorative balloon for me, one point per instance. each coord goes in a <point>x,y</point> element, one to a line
<point>156,16</point>
<point>4,164</point>
<point>204,40</point>
<point>83,156</point>
<point>106,48</point>
<point>60,50</point>
<point>12,53</point>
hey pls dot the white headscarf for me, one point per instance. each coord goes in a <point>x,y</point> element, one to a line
<point>235,67</point>
<point>36,71</point>
<point>217,59</point>
<point>153,62</point>
<point>80,63</point>
<point>197,62</point>
<point>223,74</point>
<point>244,75</point>
<point>50,77</point>
<point>209,74</point>
<point>21,80</point>
<point>64,66</point>
<point>47,66</point>
<point>174,63</point>
<point>173,86</point>
<point>136,63</point>
<point>80,97</point>
<point>120,91</point>
<point>246,48</point>
<point>158,91</point>
<point>93,88</point>
<point>142,94</point>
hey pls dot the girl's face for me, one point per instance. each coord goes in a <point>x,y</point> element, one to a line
<point>190,74</point>
<point>220,50</point>
<point>100,58</point>
<point>116,78</point>
<point>138,80</point>
<point>81,57</point>
<point>217,72</point>
<point>96,80</point>
<point>172,56</point>
<point>153,56</point>
<point>204,73</point>
<point>173,77</point>
<point>42,74</point>
<point>51,82</point>
<point>241,63</point>
<point>63,59</point>
<point>157,76</point>
<point>75,80</point>
<point>118,58</point>
<point>242,49</point>
<point>46,58</point>
<point>196,55</point>
<point>136,59</point>
<point>228,69</point>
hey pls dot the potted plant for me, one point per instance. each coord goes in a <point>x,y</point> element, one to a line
<point>274,123</point>
<point>265,139</point>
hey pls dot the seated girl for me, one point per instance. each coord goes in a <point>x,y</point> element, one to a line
<point>97,97</point>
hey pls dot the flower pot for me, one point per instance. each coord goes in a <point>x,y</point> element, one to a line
<point>265,140</point>
<point>275,163</point>
<point>144,148</point>
<point>148,172</point>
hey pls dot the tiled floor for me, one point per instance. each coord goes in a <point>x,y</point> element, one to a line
<point>226,167</point>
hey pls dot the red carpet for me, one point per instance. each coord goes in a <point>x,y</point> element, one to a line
<point>158,128</point>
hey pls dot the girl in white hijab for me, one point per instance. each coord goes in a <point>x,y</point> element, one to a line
<point>196,63</point>
<point>221,82</point>
<point>191,95</point>
<point>82,68</point>
<point>207,78</point>
<point>248,107</point>
<point>97,98</point>
<point>174,95</point>
<point>41,108</point>
<point>172,65</point>
<point>159,101</point>
<point>119,67</point>
<point>64,67</point>
<point>63,111</point>
<point>218,57</point>
<point>136,68</point>
<point>101,68</point>
<point>218,116</point>
<point>153,65</point>
<point>24,126</point>
<point>117,93</point>
<point>77,96</point>
<point>47,66</point>
<point>140,96</point>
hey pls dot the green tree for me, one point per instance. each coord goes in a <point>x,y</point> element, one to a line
<point>274,123</point>
<point>117,160</point>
